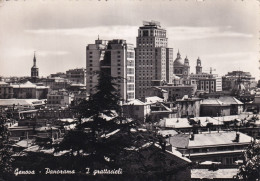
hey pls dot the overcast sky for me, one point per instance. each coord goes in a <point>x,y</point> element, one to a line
<point>223,33</point>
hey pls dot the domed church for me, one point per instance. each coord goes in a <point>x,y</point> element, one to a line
<point>182,68</point>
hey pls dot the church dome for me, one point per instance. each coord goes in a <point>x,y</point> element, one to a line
<point>178,61</point>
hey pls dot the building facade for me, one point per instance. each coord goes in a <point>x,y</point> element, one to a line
<point>117,59</point>
<point>154,62</point>
<point>29,90</point>
<point>177,92</point>
<point>77,76</point>
<point>6,91</point>
<point>207,83</point>
<point>59,98</point>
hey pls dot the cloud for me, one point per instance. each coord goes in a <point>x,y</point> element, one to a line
<point>189,33</point>
<point>130,32</point>
<point>236,55</point>
<point>114,31</point>
<point>18,52</point>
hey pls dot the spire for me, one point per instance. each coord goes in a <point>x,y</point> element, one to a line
<point>178,54</point>
<point>98,37</point>
<point>34,60</point>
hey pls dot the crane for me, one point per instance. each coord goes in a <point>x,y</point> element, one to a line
<point>210,70</point>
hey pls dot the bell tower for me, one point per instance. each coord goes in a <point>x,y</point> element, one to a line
<point>198,67</point>
<point>34,70</point>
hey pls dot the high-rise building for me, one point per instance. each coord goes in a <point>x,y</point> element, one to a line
<point>116,58</point>
<point>34,70</point>
<point>154,61</point>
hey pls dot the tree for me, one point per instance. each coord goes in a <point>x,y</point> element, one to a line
<point>250,170</point>
<point>110,141</point>
<point>5,149</point>
<point>104,116</point>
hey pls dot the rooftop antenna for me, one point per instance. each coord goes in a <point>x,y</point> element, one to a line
<point>98,37</point>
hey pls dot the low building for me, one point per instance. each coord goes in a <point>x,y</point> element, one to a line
<point>6,91</point>
<point>224,147</point>
<point>177,92</point>
<point>58,74</point>
<point>56,83</point>
<point>11,103</point>
<point>77,76</point>
<point>188,107</point>
<point>231,79</point>
<point>156,91</point>
<point>57,113</point>
<point>160,110</point>
<point>207,83</point>
<point>29,90</point>
<point>136,109</point>
<point>196,125</point>
<point>59,98</point>
<point>214,108</point>
<point>226,174</point>
<point>236,106</point>
<point>224,105</point>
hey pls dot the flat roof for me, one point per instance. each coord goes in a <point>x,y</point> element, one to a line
<point>210,174</point>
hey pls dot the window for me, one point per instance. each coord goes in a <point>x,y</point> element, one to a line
<point>130,70</point>
<point>130,63</point>
<point>130,54</point>
<point>130,95</point>
<point>130,87</point>
<point>130,79</point>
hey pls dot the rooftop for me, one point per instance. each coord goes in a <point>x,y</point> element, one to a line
<point>177,123</point>
<point>213,101</point>
<point>210,174</point>
<point>209,139</point>
<point>229,100</point>
<point>21,102</point>
<point>135,102</point>
<point>153,99</point>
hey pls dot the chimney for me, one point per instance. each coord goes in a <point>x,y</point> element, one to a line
<point>192,136</point>
<point>237,137</point>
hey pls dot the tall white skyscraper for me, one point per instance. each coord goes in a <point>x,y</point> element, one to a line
<point>116,58</point>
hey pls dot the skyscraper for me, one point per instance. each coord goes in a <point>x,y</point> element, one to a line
<point>154,61</point>
<point>116,58</point>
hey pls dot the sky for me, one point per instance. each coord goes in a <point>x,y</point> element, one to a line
<point>223,33</point>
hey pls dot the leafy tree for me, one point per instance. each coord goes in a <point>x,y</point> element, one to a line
<point>250,170</point>
<point>5,149</point>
